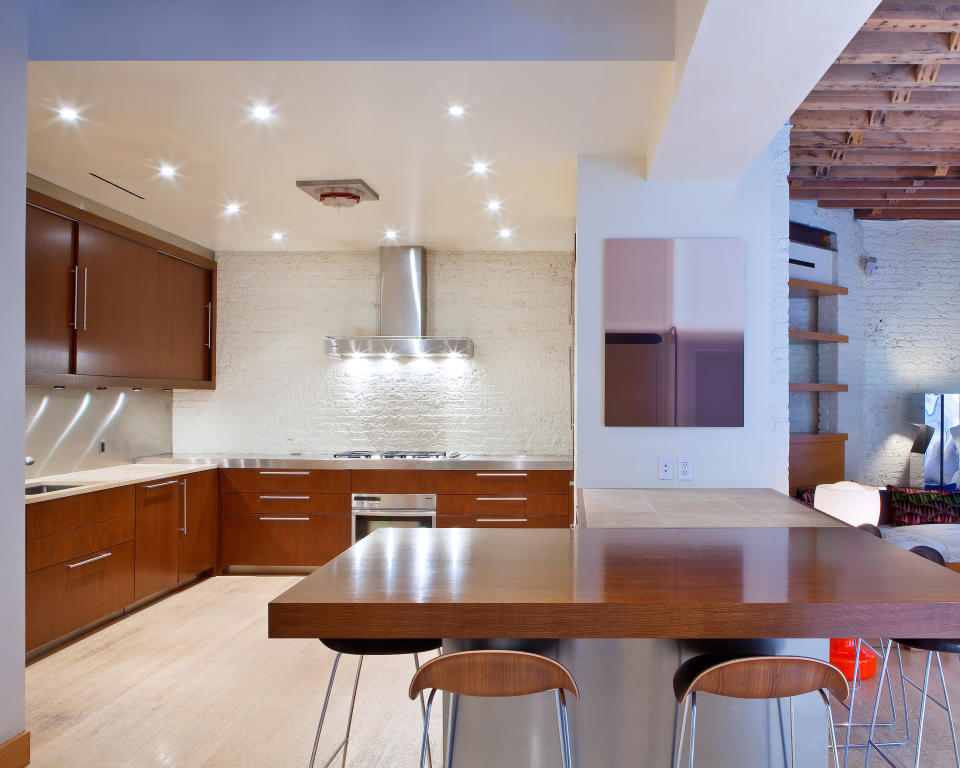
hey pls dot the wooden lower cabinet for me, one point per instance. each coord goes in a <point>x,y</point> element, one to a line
<point>283,539</point>
<point>502,521</point>
<point>198,539</point>
<point>159,513</point>
<point>499,506</point>
<point>64,597</point>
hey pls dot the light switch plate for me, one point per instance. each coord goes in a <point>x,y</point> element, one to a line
<point>665,467</point>
<point>684,469</point>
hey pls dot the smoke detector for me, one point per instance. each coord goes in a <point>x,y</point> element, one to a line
<point>339,193</point>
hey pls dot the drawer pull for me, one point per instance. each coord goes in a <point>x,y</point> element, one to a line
<point>160,485</point>
<point>501,498</point>
<point>274,517</point>
<point>287,498</point>
<point>501,474</point>
<point>91,560</point>
<point>283,473</point>
<point>501,519</point>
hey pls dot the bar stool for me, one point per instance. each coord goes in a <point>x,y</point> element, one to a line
<point>494,673</point>
<point>756,677</point>
<point>933,647</point>
<point>361,648</point>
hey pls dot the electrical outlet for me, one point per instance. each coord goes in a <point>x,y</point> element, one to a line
<point>102,446</point>
<point>665,468</point>
<point>684,469</point>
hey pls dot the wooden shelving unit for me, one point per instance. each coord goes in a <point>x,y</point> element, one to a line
<point>819,336</point>
<point>808,289</point>
<point>816,386</point>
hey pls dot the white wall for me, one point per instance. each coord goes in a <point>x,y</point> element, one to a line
<point>278,392</point>
<point>614,201</point>
<point>13,158</point>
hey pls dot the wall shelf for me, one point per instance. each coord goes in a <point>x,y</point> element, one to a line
<point>818,336</point>
<point>817,387</point>
<point>808,289</point>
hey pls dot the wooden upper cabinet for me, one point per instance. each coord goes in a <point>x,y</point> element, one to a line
<point>107,304</point>
<point>120,312</point>
<point>50,291</point>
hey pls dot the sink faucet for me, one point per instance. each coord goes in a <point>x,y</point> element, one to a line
<point>29,461</point>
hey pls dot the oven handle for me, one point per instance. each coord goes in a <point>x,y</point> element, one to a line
<point>363,512</point>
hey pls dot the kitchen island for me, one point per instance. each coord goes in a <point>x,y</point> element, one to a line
<point>622,608</point>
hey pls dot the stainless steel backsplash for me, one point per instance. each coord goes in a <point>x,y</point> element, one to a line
<point>65,426</point>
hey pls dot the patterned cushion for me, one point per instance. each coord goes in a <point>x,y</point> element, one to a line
<point>915,506</point>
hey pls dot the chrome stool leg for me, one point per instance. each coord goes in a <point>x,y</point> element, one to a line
<point>452,727</point>
<point>793,737</point>
<point>423,708</point>
<point>425,747</point>
<point>323,712</point>
<point>923,706</point>
<point>564,723</point>
<point>693,724</point>
<point>683,728</point>
<point>353,701</point>
<point>946,699</point>
<point>831,730</point>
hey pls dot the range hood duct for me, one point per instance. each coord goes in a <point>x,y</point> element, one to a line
<point>403,314</point>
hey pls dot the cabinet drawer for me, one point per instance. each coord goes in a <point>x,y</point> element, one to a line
<point>504,482</point>
<point>496,506</point>
<point>285,503</point>
<point>505,521</point>
<point>394,481</point>
<point>65,597</point>
<point>283,539</point>
<point>285,480</point>
<point>47,517</point>
<point>59,547</point>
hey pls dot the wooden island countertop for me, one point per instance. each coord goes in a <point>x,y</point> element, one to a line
<point>757,582</point>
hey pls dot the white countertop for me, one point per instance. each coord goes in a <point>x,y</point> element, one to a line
<point>697,508</point>
<point>109,477</point>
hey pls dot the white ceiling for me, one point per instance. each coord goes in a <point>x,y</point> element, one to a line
<point>385,122</point>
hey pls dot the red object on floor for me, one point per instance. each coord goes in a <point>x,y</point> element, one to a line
<point>842,656</point>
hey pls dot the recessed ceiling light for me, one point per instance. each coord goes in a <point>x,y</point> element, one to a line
<point>277,236</point>
<point>232,209</point>
<point>390,234</point>
<point>261,112</point>
<point>69,114</point>
<point>168,171</point>
<point>505,233</point>
<point>480,168</point>
<point>494,205</point>
<point>455,110</point>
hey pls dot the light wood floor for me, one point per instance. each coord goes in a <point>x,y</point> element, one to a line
<point>193,682</point>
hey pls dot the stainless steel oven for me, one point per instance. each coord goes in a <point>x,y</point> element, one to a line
<point>372,511</point>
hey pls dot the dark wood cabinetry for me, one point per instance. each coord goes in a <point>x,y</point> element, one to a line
<point>109,305</point>
<point>51,292</point>
<point>288,539</point>
<point>198,539</point>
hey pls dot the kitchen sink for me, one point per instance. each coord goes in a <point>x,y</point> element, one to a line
<point>33,490</point>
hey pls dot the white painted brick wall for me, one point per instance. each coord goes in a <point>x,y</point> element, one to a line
<point>903,334</point>
<point>277,391</point>
<point>779,446</point>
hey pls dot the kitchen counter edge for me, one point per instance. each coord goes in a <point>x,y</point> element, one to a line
<point>272,461</point>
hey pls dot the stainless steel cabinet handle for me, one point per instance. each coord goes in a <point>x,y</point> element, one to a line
<point>184,529</point>
<point>287,498</point>
<point>209,324</point>
<point>76,296</point>
<point>501,519</point>
<point>160,485</point>
<point>284,518</point>
<point>91,560</point>
<point>84,298</point>
<point>501,498</point>
<point>283,473</point>
<point>501,474</point>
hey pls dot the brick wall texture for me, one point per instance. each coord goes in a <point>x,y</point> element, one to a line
<point>278,392</point>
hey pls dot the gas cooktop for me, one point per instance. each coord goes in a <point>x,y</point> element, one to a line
<point>395,455</point>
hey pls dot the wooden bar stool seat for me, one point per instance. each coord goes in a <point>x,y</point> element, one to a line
<point>756,677</point>
<point>361,647</point>
<point>495,674</point>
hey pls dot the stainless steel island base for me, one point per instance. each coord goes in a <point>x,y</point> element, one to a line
<point>626,715</point>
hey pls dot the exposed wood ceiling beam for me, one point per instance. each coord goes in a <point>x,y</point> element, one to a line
<point>919,100</point>
<point>870,47</point>
<point>860,119</point>
<point>864,156</point>
<point>848,186</point>
<point>898,214</point>
<point>915,15</point>
<point>845,193</point>
<point>900,205</point>
<point>861,77</point>
<point>910,173</point>
<point>877,139</point>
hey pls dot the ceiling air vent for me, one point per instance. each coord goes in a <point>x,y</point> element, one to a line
<point>339,193</point>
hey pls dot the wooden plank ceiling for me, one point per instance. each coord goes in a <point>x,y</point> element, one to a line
<point>880,133</point>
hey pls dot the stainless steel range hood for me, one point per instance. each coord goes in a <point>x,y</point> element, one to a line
<point>403,313</point>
